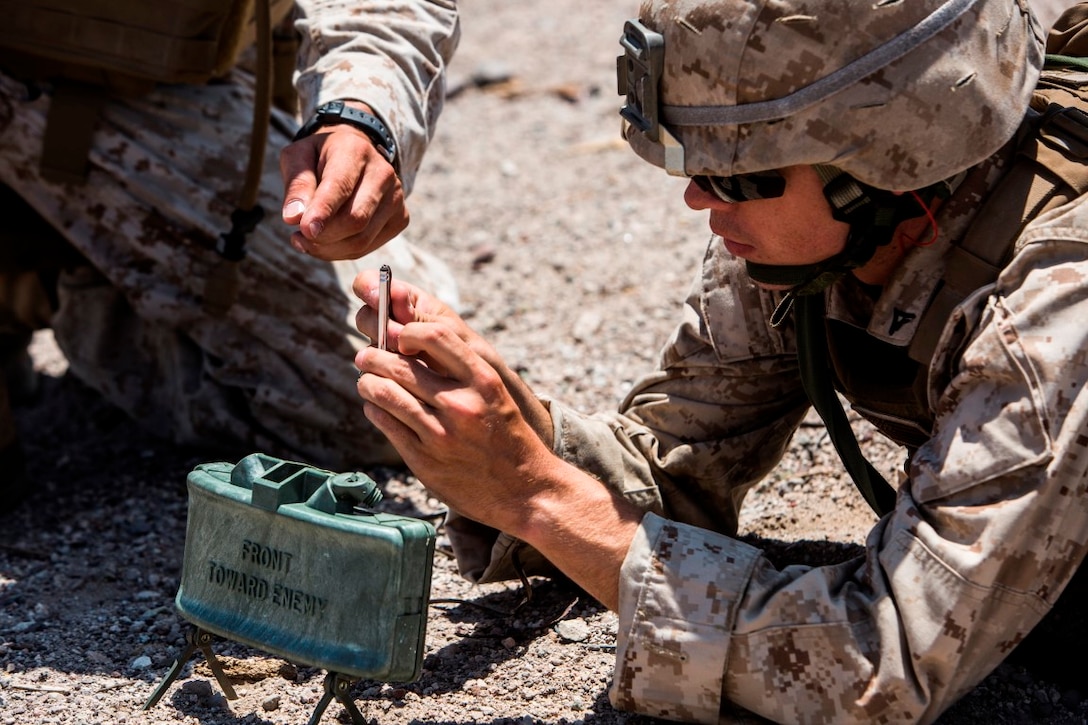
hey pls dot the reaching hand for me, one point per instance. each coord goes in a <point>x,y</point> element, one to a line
<point>342,193</point>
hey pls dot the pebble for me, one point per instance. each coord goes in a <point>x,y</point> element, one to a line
<point>141,663</point>
<point>573,630</point>
<point>199,688</point>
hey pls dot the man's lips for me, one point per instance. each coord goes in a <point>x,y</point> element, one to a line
<point>737,249</point>
<point>727,229</point>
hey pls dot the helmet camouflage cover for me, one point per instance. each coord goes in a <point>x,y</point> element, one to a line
<point>897,93</point>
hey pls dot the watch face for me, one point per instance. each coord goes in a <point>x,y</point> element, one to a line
<point>332,108</point>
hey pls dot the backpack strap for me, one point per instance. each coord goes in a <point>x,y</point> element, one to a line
<point>69,128</point>
<point>221,284</point>
<point>1048,170</point>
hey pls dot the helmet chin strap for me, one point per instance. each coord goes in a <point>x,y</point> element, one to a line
<point>873,215</point>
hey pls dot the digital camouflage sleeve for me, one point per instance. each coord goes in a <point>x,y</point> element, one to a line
<point>991,521</point>
<point>390,54</point>
<point>275,373</point>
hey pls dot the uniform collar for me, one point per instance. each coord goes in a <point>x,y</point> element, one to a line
<point>894,316</point>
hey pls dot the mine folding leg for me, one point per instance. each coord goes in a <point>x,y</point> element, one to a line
<point>196,638</point>
<point>338,687</point>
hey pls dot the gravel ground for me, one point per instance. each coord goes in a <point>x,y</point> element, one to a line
<point>572,256</point>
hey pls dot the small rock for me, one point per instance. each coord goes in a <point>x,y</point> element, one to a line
<point>482,255</point>
<point>141,663</point>
<point>491,73</point>
<point>587,325</point>
<point>271,703</point>
<point>573,630</point>
<point>96,657</point>
<point>199,688</point>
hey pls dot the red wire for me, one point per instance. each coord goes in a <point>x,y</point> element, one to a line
<point>929,216</point>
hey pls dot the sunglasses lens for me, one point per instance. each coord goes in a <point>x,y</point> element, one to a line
<point>743,187</point>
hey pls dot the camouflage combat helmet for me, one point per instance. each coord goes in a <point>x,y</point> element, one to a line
<point>899,94</point>
<point>879,96</point>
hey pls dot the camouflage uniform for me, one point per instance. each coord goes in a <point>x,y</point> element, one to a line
<point>275,373</point>
<point>990,522</point>
<point>988,528</point>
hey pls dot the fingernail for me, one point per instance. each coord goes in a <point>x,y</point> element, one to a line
<point>294,208</point>
<point>315,229</point>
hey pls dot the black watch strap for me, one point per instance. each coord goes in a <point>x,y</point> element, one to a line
<point>335,112</point>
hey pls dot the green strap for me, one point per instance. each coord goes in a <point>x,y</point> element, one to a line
<point>1053,60</point>
<point>814,360</point>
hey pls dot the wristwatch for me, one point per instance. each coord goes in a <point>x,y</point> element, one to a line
<point>335,112</point>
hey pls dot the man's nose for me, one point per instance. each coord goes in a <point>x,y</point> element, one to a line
<point>698,199</point>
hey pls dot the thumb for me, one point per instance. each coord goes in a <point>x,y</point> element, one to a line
<point>297,167</point>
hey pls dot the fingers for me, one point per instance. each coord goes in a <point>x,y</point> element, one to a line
<point>347,162</point>
<point>403,438</point>
<point>353,246</point>
<point>366,321</point>
<point>396,416</point>
<point>403,296</point>
<point>402,387</point>
<point>444,427</point>
<point>442,348</point>
<point>408,302</point>
<point>431,361</point>
<point>363,225</point>
<point>342,193</point>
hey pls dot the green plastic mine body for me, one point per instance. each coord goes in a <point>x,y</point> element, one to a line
<point>282,557</point>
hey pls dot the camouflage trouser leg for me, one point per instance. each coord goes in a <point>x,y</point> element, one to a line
<point>275,373</point>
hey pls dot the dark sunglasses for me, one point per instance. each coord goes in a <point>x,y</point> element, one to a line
<point>743,187</point>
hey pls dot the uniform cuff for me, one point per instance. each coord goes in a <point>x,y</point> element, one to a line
<point>679,589</point>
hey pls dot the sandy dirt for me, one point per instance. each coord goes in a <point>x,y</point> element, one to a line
<point>573,257</point>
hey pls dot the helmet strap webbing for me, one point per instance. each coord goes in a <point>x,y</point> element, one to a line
<point>873,216</point>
